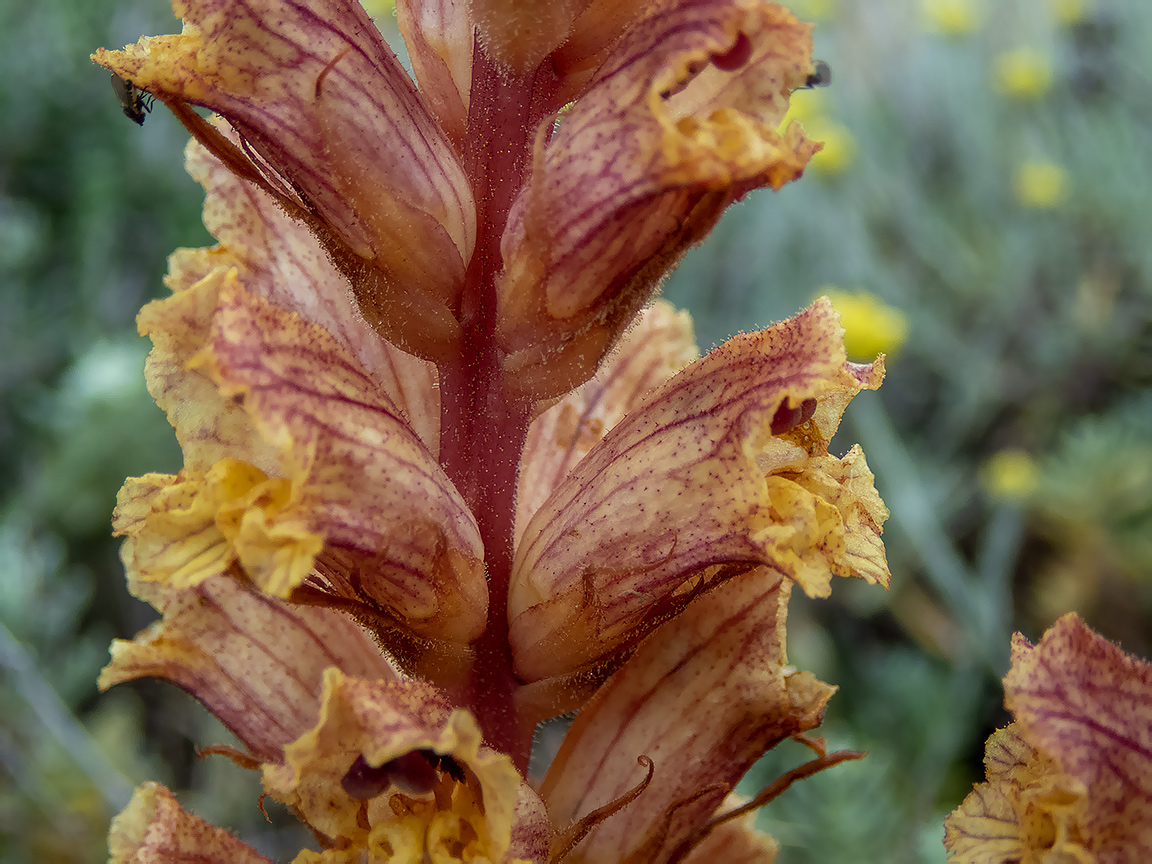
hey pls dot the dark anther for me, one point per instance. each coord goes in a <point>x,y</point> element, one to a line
<point>787,418</point>
<point>736,56</point>
<point>446,764</point>
<point>415,772</point>
<point>362,781</point>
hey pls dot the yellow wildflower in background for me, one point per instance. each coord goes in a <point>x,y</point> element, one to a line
<point>954,17</point>
<point>1070,11</point>
<point>1040,185</point>
<point>870,326</point>
<point>1010,474</point>
<point>1024,73</point>
<point>839,146</point>
<point>805,105</point>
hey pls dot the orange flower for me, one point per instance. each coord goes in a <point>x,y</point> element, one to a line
<point>1071,779</point>
<point>400,539</point>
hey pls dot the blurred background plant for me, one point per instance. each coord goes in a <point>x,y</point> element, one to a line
<point>980,212</point>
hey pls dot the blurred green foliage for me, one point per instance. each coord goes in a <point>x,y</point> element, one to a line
<point>985,176</point>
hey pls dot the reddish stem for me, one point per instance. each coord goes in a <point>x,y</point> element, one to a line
<point>482,431</point>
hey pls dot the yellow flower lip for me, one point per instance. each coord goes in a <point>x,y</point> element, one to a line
<point>372,737</point>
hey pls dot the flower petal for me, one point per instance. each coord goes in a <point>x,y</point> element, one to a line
<point>1071,779</point>
<point>378,491</point>
<point>737,841</point>
<point>520,34</point>
<point>1088,705</point>
<point>316,92</point>
<point>703,697</point>
<point>675,499</point>
<point>439,38</point>
<point>660,345</point>
<point>531,829</point>
<point>280,259</point>
<point>348,475</point>
<point>208,425</point>
<point>370,725</point>
<point>255,662</point>
<point>1028,807</point>
<point>638,170</point>
<point>154,827</point>
<point>591,38</point>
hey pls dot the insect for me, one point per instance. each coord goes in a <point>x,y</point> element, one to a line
<point>821,76</point>
<point>135,102</point>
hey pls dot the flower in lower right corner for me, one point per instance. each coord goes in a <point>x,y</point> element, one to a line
<point>1071,779</point>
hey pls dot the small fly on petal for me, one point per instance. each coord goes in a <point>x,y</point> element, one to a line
<point>821,76</point>
<point>135,102</point>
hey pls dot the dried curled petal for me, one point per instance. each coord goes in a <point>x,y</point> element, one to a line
<point>154,827</point>
<point>257,663</point>
<point>638,170</point>
<point>366,724</point>
<point>692,488</point>
<point>1028,807</point>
